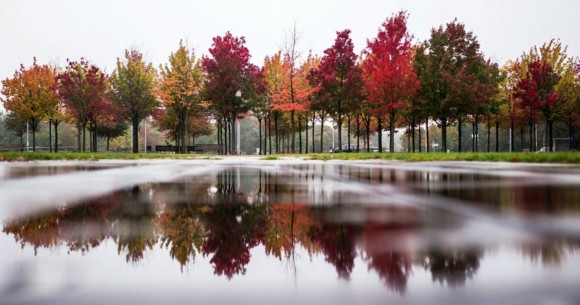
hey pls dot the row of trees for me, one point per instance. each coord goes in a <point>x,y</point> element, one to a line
<point>394,82</point>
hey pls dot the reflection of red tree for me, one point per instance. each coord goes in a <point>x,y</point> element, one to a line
<point>232,230</point>
<point>387,255</point>
<point>338,244</point>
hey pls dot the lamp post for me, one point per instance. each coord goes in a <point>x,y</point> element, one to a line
<point>237,127</point>
<point>145,135</point>
<point>27,138</point>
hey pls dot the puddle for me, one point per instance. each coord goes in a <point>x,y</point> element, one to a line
<point>290,231</point>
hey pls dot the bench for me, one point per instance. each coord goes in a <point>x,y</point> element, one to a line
<point>166,148</point>
<point>208,148</point>
<point>198,149</point>
<point>12,147</point>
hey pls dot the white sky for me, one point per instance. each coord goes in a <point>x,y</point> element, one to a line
<point>54,30</point>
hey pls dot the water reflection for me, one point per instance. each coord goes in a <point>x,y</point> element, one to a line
<point>227,216</point>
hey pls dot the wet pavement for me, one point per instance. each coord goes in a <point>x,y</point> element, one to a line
<point>247,231</point>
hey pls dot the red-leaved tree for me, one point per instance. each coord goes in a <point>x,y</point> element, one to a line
<point>339,78</point>
<point>83,87</point>
<point>230,81</point>
<point>537,91</point>
<point>388,72</point>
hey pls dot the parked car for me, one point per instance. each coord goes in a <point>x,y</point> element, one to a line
<point>543,149</point>
<point>345,149</point>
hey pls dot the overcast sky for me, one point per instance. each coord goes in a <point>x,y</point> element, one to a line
<point>54,30</point>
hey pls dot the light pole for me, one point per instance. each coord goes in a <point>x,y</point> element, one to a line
<point>237,127</point>
<point>27,138</point>
<point>145,135</point>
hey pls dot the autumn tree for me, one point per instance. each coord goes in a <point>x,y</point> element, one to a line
<point>274,72</point>
<point>339,78</point>
<point>568,90</point>
<point>507,98</point>
<point>448,64</point>
<point>133,90</point>
<point>259,106</point>
<point>230,79</point>
<point>307,92</point>
<point>389,75</point>
<point>181,89</point>
<point>112,127</point>
<point>537,91</point>
<point>16,124</point>
<point>82,87</point>
<point>30,94</point>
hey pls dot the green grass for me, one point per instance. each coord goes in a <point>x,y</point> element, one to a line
<point>31,156</point>
<point>557,157</point>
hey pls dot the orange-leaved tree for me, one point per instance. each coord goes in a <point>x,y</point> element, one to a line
<point>181,89</point>
<point>30,94</point>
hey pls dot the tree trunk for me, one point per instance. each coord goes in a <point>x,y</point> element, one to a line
<point>108,141</point>
<point>33,139</point>
<point>488,133</point>
<point>55,137</point>
<point>85,139</point>
<point>419,129</point>
<point>368,134</point>
<point>444,135</point>
<point>321,133</point>
<point>339,125</point>
<point>306,142</point>
<point>79,134</point>
<point>473,136</point>
<point>135,136</point>
<point>299,135</point>
<point>550,135</point>
<point>496,134</point>
<point>277,135</point>
<point>531,136</point>
<point>357,133</point>
<point>226,135</point>
<point>392,132</point>
<point>183,130</point>
<point>522,139</point>
<point>348,133</point>
<point>50,135</point>
<point>427,135</point>
<point>413,136</point>
<point>459,137</point>
<point>512,140</point>
<point>266,134</point>
<point>292,130</point>
<point>570,132</point>
<point>313,126</point>
<point>379,132</point>
<point>259,136</point>
<point>95,137</point>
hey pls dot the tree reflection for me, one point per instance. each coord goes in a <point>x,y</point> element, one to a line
<point>452,267</point>
<point>552,252</point>
<point>80,227</point>
<point>133,230</point>
<point>182,232</point>
<point>224,221</point>
<point>337,242</point>
<point>385,255</point>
